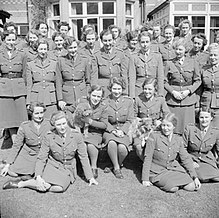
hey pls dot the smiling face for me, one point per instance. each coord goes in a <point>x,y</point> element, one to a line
<point>59,42</point>
<point>63,29</point>
<point>205,119</point>
<point>61,126</point>
<point>42,50</point>
<point>145,42</point>
<point>72,49</point>
<point>133,42</point>
<point>10,41</point>
<point>43,29</point>
<point>107,42</point>
<point>149,90</point>
<point>214,56</point>
<point>156,31</point>
<point>169,34</point>
<point>115,33</point>
<point>96,96</point>
<point>116,90</point>
<point>38,114</point>
<point>180,51</point>
<point>167,127</point>
<point>197,44</point>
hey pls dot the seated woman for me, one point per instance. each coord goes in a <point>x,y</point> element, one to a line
<point>22,158</point>
<point>56,164</point>
<point>97,123</point>
<point>161,166</point>
<point>202,141</point>
<point>149,106</point>
<point>120,116</point>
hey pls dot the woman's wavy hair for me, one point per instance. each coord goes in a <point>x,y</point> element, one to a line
<point>201,36</point>
<point>42,41</point>
<point>68,41</point>
<point>96,88</point>
<point>150,80</point>
<point>170,117</point>
<point>7,33</point>
<point>33,105</point>
<point>145,33</point>
<point>89,32</point>
<point>131,35</point>
<point>117,80</point>
<point>33,31</point>
<point>57,34</point>
<point>57,116</point>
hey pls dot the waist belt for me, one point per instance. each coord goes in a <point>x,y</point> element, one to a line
<point>12,75</point>
<point>72,82</point>
<point>109,76</point>
<point>216,90</point>
<point>181,83</point>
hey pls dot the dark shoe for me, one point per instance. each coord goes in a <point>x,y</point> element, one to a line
<point>108,169</point>
<point>118,174</point>
<point>11,184</point>
<point>95,172</point>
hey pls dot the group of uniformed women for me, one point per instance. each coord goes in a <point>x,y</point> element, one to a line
<point>148,94</point>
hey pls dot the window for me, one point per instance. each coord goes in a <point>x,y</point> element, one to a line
<point>178,19</point>
<point>23,30</point>
<point>77,28</point>
<point>107,22</point>
<point>128,9</point>
<point>76,8</point>
<point>198,24</point>
<point>214,26</point>
<point>128,25</point>
<point>92,8</point>
<point>56,10</point>
<point>108,7</point>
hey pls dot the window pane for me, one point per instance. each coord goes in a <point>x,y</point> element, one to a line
<point>128,25</point>
<point>92,8</point>
<point>128,9</point>
<point>24,30</point>
<point>76,8</point>
<point>178,19</point>
<point>56,11</point>
<point>198,21</point>
<point>108,8</point>
<point>107,23</point>
<point>77,28</point>
<point>56,22</point>
<point>214,22</point>
<point>93,21</point>
<point>195,31</point>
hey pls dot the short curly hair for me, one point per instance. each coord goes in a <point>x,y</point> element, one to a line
<point>200,36</point>
<point>57,116</point>
<point>117,80</point>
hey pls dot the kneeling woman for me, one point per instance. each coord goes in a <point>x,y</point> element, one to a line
<point>202,142</point>
<point>22,159</point>
<point>161,166</point>
<point>120,116</point>
<point>56,164</point>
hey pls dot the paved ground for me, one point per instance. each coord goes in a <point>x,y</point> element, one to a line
<point>111,198</point>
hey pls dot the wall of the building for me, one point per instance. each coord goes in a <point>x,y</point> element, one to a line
<point>204,15</point>
<point>19,13</point>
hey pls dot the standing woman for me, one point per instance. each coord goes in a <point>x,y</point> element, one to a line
<point>166,48</point>
<point>147,63</point>
<point>56,165</point>
<point>210,81</point>
<point>161,160</point>
<point>31,51</point>
<point>202,141</point>
<point>42,79</point>
<point>149,105</point>
<point>181,81</point>
<point>74,76</point>
<point>12,85</point>
<point>22,158</point>
<point>120,116</point>
<point>97,124</point>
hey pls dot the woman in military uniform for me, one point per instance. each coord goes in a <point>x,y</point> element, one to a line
<point>210,82</point>
<point>97,123</point>
<point>22,158</point>
<point>161,165</point>
<point>110,62</point>
<point>120,116</point>
<point>12,85</point>
<point>74,74</point>
<point>56,165</point>
<point>149,105</point>
<point>147,63</point>
<point>182,79</point>
<point>42,79</point>
<point>202,141</point>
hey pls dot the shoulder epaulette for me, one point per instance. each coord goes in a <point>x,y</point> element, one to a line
<point>26,122</point>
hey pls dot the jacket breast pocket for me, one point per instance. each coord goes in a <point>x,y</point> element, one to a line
<point>52,94</point>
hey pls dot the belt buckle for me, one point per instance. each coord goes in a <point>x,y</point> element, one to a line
<point>10,75</point>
